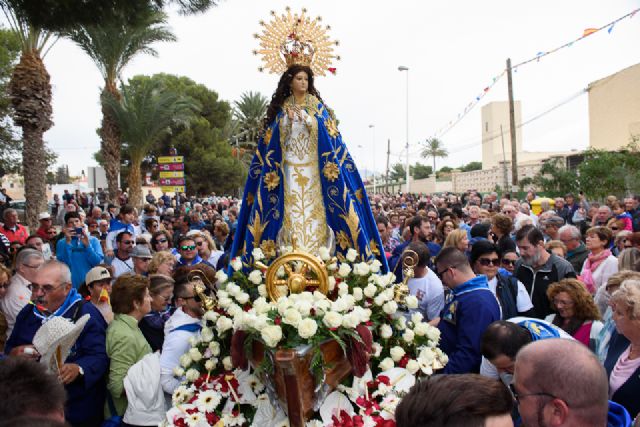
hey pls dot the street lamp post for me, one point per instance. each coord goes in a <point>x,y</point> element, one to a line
<point>373,150</point>
<point>403,68</point>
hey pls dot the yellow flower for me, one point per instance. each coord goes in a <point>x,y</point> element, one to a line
<point>271,180</point>
<point>343,240</point>
<point>332,129</point>
<point>331,171</point>
<point>268,248</point>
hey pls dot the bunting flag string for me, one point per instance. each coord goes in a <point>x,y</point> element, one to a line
<point>541,54</point>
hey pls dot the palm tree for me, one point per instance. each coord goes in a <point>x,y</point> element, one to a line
<point>112,45</point>
<point>248,113</point>
<point>143,114</point>
<point>434,149</point>
<point>30,93</point>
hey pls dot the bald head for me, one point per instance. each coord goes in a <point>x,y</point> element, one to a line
<point>569,371</point>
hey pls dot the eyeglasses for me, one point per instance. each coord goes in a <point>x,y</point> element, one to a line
<point>47,288</point>
<point>200,243</point>
<point>441,273</point>
<point>517,397</point>
<point>489,261</point>
<point>4,286</point>
<point>196,298</point>
<point>162,240</point>
<point>509,261</point>
<point>127,242</point>
<point>188,248</point>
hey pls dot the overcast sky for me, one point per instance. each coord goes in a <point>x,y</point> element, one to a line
<point>452,49</point>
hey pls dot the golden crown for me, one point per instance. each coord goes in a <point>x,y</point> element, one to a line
<point>292,39</point>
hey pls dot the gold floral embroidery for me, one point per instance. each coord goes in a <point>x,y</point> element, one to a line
<point>267,136</point>
<point>268,248</point>
<point>332,129</point>
<point>359,195</point>
<point>342,240</point>
<point>374,247</point>
<point>331,171</point>
<point>271,180</point>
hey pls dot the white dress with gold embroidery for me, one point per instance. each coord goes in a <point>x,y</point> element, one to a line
<point>304,206</point>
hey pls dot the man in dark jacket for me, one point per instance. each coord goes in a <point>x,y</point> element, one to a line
<point>577,252</point>
<point>537,268</point>
<point>84,370</point>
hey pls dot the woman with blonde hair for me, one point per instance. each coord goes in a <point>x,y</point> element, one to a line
<point>162,263</point>
<point>152,324</point>
<point>575,311</point>
<point>457,239</point>
<point>556,247</point>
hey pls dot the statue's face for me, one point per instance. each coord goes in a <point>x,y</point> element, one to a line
<point>300,83</point>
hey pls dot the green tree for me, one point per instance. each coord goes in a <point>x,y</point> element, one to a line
<point>555,179</point>
<point>610,172</point>
<point>248,114</point>
<point>434,148</point>
<point>112,45</point>
<point>420,171</point>
<point>397,172</point>
<point>30,92</point>
<point>472,166</point>
<point>146,112</point>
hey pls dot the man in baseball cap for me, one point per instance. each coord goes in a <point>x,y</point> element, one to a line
<point>45,224</point>
<point>141,257</point>
<point>98,283</point>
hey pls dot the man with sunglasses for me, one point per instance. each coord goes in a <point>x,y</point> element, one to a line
<point>182,325</point>
<point>83,371</point>
<point>561,383</point>
<point>122,262</point>
<point>469,309</point>
<point>188,251</point>
<point>80,251</point>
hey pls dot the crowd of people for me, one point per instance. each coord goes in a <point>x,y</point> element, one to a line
<point>491,274</point>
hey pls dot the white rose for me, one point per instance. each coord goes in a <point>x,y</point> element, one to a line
<point>307,328</point>
<point>411,301</point>
<point>236,264</point>
<point>178,372</point>
<point>226,362</point>
<point>349,301</point>
<point>370,290</point>
<point>379,299</point>
<point>357,294</point>
<point>401,323</point>
<point>339,305</point>
<point>416,317</point>
<point>376,349</point>
<point>386,364</point>
<point>224,302</point>
<point>408,336</point>
<point>221,277</point>
<point>332,319</point>
<point>433,333</point>
<point>343,288</point>
<point>322,306</point>
<point>390,307</point>
<point>332,283</point>
<point>262,290</point>
<point>233,310</point>
<point>350,321</point>
<point>361,269</point>
<point>185,360</point>
<point>344,270</point>
<point>192,375</point>
<point>412,366</point>
<point>271,335</point>
<point>332,267</point>
<point>292,317</point>
<point>257,254</point>
<point>324,253</point>
<point>389,294</point>
<point>261,306</point>
<point>304,307</point>
<point>255,277</point>
<point>352,254</point>
<point>214,346</point>
<point>261,322</point>
<point>375,266</point>
<point>421,329</point>
<point>223,324</point>
<point>206,334</point>
<point>210,316</point>
<point>396,353</point>
<point>386,331</point>
<point>210,364</point>
<point>243,298</point>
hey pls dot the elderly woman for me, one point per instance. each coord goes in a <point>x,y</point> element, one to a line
<point>509,291</point>
<point>623,358</point>
<point>130,301</point>
<point>457,239</point>
<point>621,241</point>
<point>575,311</point>
<point>556,247</point>
<point>152,324</point>
<point>162,263</point>
<point>501,226</point>
<point>600,263</point>
<point>445,227</point>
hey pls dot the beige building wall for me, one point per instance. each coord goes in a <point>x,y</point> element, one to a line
<point>486,180</point>
<point>614,109</point>
<point>494,115</point>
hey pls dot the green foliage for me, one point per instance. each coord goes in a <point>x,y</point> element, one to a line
<point>610,172</point>
<point>472,166</point>
<point>397,172</point>
<point>555,179</point>
<point>420,171</point>
<point>248,114</point>
<point>434,148</point>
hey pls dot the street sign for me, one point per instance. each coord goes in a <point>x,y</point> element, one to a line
<point>170,159</point>
<point>173,174</point>
<point>173,189</point>
<point>171,181</point>
<point>171,167</point>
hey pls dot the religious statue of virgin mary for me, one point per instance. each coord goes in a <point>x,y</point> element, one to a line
<point>302,182</point>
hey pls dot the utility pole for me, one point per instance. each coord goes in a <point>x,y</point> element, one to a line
<point>386,174</point>
<point>504,161</point>
<point>512,129</point>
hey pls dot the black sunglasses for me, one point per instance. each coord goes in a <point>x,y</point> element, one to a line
<point>509,261</point>
<point>162,240</point>
<point>489,261</point>
<point>441,273</point>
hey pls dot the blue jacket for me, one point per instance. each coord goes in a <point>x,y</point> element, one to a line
<point>434,249</point>
<point>86,395</point>
<point>469,309</point>
<point>628,395</point>
<point>79,258</point>
<point>618,416</point>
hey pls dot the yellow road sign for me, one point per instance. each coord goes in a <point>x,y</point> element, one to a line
<point>174,189</point>
<point>171,174</point>
<point>170,159</point>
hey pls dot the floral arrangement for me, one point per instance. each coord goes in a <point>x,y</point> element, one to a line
<point>388,348</point>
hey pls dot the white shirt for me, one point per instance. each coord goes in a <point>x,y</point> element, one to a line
<point>17,296</point>
<point>523,300</point>
<point>175,345</point>
<point>430,294</point>
<point>121,267</point>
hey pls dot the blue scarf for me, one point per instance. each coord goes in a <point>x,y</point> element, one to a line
<point>539,330</point>
<point>72,297</point>
<point>478,282</point>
